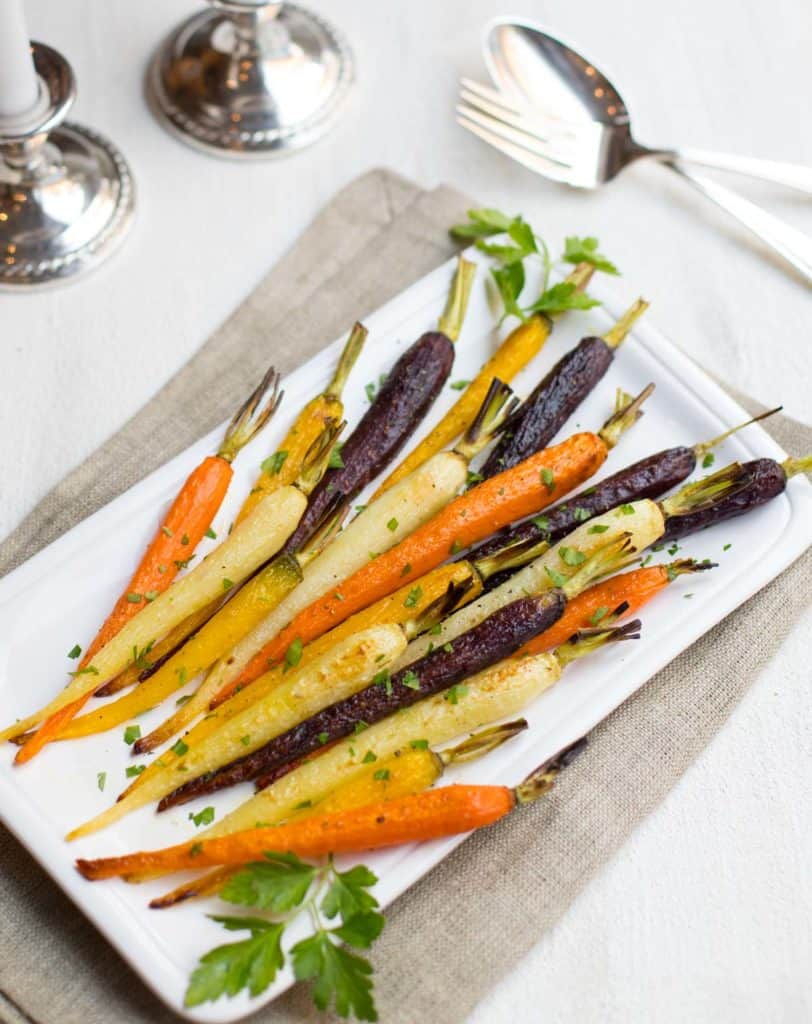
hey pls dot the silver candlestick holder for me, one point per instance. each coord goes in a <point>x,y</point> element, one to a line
<point>250,79</point>
<point>66,193</point>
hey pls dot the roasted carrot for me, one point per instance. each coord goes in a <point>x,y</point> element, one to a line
<point>284,466</point>
<point>412,769</point>
<point>624,595</point>
<point>391,609</point>
<point>514,353</point>
<point>190,514</point>
<point>160,652</point>
<point>183,527</point>
<point>279,470</point>
<point>490,505</point>
<point>420,817</point>
<point>406,395</point>
<point>250,545</point>
<point>545,411</point>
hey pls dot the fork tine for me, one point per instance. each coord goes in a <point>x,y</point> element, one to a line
<point>559,145</point>
<point>534,115</point>
<point>539,164</point>
<point>516,136</point>
<point>486,92</point>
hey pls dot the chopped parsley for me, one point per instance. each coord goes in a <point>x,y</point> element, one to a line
<point>381,775</point>
<point>571,556</point>
<point>598,528</point>
<point>411,680</point>
<point>413,597</point>
<point>204,817</point>
<point>75,651</point>
<point>133,770</point>
<point>459,385</point>
<point>369,757</point>
<point>101,780</point>
<point>392,524</point>
<point>293,655</point>
<point>180,748</point>
<point>131,734</point>
<point>547,478</point>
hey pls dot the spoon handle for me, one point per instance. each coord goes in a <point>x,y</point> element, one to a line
<point>794,246</point>
<point>792,175</point>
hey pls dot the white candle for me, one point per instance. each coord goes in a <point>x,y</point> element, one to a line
<point>19,88</point>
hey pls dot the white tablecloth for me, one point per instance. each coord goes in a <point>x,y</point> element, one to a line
<point>705,914</point>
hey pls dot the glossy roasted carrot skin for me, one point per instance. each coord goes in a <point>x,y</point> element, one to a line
<point>173,545</point>
<point>515,352</point>
<point>284,466</point>
<point>182,530</point>
<point>518,492</point>
<point>588,609</point>
<point>420,817</point>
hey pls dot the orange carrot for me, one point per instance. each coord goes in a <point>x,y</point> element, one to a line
<point>182,529</point>
<point>418,817</point>
<point>622,595</point>
<point>518,492</point>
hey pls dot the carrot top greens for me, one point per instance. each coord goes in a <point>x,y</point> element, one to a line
<point>284,886</point>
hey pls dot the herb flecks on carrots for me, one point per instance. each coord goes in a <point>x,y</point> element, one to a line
<point>182,529</point>
<point>515,494</point>
<point>419,817</point>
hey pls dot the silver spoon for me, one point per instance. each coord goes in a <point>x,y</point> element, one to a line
<point>529,64</point>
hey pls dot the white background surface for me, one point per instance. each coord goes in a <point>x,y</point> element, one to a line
<point>704,916</point>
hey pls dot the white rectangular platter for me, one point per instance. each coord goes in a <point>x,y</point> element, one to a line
<point>59,597</point>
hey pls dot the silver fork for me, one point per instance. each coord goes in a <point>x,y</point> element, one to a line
<point>583,155</point>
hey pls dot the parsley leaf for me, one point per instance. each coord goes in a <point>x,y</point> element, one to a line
<point>413,597</point>
<point>510,284</point>
<point>585,250</point>
<point>571,556</point>
<point>482,224</point>
<point>131,734</point>
<point>228,969</point>
<point>279,883</point>
<point>347,894</point>
<point>561,297</point>
<point>204,817</point>
<point>338,976</point>
<point>293,655</point>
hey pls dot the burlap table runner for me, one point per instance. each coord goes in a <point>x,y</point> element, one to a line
<point>456,933</point>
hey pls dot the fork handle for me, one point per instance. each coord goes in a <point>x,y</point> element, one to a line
<point>794,246</point>
<point>792,175</point>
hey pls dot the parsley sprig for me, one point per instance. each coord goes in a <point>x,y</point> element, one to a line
<point>344,914</point>
<point>520,244</point>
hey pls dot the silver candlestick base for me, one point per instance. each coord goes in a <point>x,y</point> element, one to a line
<point>66,193</point>
<point>250,79</point>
